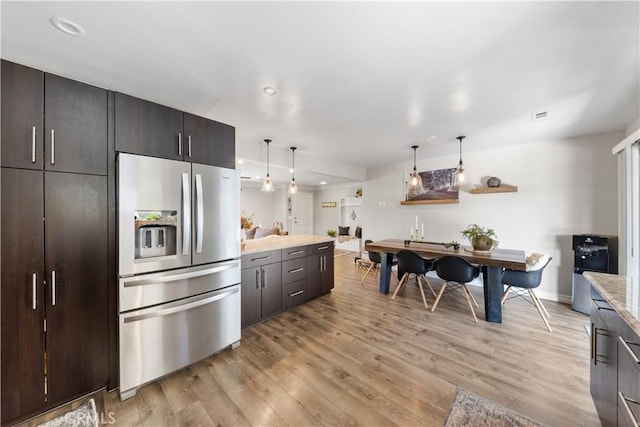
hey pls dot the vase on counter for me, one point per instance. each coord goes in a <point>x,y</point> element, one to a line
<point>243,238</point>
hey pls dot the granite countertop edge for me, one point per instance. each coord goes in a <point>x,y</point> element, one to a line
<point>282,242</point>
<point>611,288</point>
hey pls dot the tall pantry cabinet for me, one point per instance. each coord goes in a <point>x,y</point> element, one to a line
<point>54,241</point>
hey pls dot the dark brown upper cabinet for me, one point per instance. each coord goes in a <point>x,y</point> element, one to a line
<point>209,142</point>
<point>68,117</point>
<point>146,128</point>
<point>22,116</point>
<point>75,123</point>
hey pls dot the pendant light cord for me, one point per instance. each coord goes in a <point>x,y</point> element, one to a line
<point>268,141</point>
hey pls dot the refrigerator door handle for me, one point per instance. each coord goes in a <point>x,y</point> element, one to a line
<point>186,214</point>
<point>199,214</point>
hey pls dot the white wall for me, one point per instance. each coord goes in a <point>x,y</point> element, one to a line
<point>327,218</point>
<point>566,187</point>
<point>264,206</point>
<point>261,205</point>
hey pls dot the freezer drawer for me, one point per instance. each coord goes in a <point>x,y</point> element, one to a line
<point>158,288</point>
<point>158,340</point>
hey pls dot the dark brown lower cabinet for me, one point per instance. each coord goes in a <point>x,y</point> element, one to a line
<point>615,365</point>
<point>22,293</point>
<point>320,266</point>
<point>276,280</point>
<point>261,293</point>
<point>63,259</point>
<point>603,368</point>
<point>76,307</point>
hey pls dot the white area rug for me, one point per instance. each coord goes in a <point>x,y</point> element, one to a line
<point>469,409</point>
<point>85,415</point>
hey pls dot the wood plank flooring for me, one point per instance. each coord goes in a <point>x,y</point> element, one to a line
<point>355,357</point>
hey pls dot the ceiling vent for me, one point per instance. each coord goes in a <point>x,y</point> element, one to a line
<point>245,177</point>
<point>539,116</point>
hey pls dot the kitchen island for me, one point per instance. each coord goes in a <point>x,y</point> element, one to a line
<point>281,272</point>
<point>615,348</point>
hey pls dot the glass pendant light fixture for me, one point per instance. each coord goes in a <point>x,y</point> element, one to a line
<point>293,188</point>
<point>414,178</point>
<point>267,185</point>
<point>460,171</point>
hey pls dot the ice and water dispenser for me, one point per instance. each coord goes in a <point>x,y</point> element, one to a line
<point>155,234</point>
<point>591,253</point>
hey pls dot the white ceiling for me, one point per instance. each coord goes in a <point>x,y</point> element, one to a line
<point>358,82</point>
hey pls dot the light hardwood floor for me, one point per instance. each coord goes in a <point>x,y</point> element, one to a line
<point>354,357</point>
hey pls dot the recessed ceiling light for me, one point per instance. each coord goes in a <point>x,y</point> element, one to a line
<point>67,26</point>
<point>323,182</point>
<point>257,177</point>
<point>269,90</point>
<point>240,161</point>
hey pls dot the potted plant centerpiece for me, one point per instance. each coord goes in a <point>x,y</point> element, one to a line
<point>482,239</point>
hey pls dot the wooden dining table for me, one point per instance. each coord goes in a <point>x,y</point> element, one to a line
<point>492,265</point>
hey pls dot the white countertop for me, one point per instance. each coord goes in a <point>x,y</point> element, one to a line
<point>622,293</point>
<point>280,242</point>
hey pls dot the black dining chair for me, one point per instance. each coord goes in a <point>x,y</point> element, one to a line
<point>374,262</point>
<point>523,282</point>
<point>456,273</point>
<point>410,263</point>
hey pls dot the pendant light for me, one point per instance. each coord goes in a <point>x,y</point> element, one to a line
<point>293,188</point>
<point>268,185</point>
<point>460,171</point>
<point>414,178</point>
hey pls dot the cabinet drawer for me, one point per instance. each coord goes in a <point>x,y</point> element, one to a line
<point>295,269</point>
<point>294,293</point>
<point>260,258</point>
<point>320,248</point>
<point>628,411</point>
<point>629,380</point>
<point>293,253</point>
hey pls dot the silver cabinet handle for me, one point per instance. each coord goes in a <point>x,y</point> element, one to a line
<point>627,410</point>
<point>297,270</point>
<point>295,294</point>
<point>264,278</point>
<point>199,213</point>
<point>625,345</point>
<point>53,147</point>
<point>34,298</point>
<point>323,248</point>
<point>320,263</point>
<point>257,279</point>
<point>296,253</point>
<point>186,215</point>
<point>259,258</point>
<point>53,287</point>
<point>189,146</point>
<point>33,144</point>
<point>180,143</point>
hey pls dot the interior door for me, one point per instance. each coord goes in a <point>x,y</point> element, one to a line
<point>302,213</point>
<point>22,297</point>
<point>216,212</point>
<point>76,268</point>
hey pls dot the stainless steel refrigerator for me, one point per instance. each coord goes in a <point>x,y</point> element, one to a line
<point>179,265</point>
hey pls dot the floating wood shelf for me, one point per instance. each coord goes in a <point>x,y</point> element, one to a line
<point>428,202</point>
<point>501,189</point>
